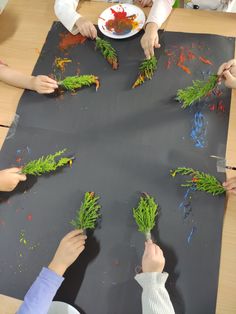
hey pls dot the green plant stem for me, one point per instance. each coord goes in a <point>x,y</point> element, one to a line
<point>197,91</point>
<point>146,71</point>
<point>88,214</point>
<point>75,82</point>
<point>200,181</point>
<point>45,164</point>
<point>145,214</point>
<point>108,52</point>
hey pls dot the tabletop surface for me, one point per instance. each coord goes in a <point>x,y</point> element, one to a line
<point>23,32</point>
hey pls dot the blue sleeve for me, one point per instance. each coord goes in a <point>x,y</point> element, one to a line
<point>40,295</point>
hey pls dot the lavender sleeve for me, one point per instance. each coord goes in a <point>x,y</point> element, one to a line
<point>40,295</point>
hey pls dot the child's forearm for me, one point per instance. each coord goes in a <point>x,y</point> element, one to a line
<point>160,11</point>
<point>65,11</point>
<point>15,78</point>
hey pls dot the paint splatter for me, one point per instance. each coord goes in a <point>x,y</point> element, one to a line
<point>68,40</point>
<point>26,243</point>
<point>60,63</point>
<point>2,222</point>
<point>180,55</point>
<point>217,107</point>
<point>204,60</point>
<point>29,217</point>
<point>121,24</point>
<point>199,130</point>
<point>190,236</point>
<point>186,205</point>
<point>22,238</point>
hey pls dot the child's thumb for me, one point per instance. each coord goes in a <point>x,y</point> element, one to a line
<point>228,76</point>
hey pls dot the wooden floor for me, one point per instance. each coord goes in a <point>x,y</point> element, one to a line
<point>23,29</point>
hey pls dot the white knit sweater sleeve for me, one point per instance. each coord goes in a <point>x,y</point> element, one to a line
<point>65,11</point>
<point>160,11</point>
<point>155,298</point>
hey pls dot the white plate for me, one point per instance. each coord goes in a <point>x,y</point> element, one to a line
<point>121,21</point>
<point>58,307</point>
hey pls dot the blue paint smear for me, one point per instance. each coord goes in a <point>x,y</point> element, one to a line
<point>190,236</point>
<point>185,205</point>
<point>199,130</point>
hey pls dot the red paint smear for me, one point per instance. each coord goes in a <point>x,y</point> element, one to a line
<point>182,57</point>
<point>121,22</point>
<point>191,56</point>
<point>2,222</point>
<point>204,60</point>
<point>69,40</point>
<point>212,107</point>
<point>18,159</point>
<point>184,68</point>
<point>218,92</point>
<point>221,106</point>
<point>195,179</point>
<point>29,217</point>
<point>168,63</point>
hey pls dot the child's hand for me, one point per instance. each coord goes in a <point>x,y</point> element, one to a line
<point>145,3</point>
<point>9,178</point>
<point>150,40</point>
<point>153,259</point>
<point>228,72</point>
<point>70,247</point>
<point>86,28</point>
<point>230,185</point>
<point>43,84</point>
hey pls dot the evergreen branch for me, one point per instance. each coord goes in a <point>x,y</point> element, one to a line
<point>146,71</point>
<point>74,82</point>
<point>145,213</point>
<point>197,91</point>
<point>87,215</point>
<point>108,52</point>
<point>45,164</point>
<point>200,181</point>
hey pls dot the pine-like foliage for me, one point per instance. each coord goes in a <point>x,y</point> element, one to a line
<point>87,215</point>
<point>145,214</point>
<point>45,164</point>
<point>146,71</point>
<point>108,52</point>
<point>200,181</point>
<point>75,82</point>
<point>197,91</point>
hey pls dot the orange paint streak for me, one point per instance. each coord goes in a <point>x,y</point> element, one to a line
<point>68,40</point>
<point>184,68</point>
<point>204,60</point>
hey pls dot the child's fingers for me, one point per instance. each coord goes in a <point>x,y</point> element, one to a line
<point>94,32</point>
<point>73,233</point>
<point>228,76</point>
<point>230,180</point>
<point>230,186</point>
<point>230,63</point>
<point>49,80</point>
<point>221,68</point>
<point>22,177</point>
<point>13,170</point>
<point>149,248</point>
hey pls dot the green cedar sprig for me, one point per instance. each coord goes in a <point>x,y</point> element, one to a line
<point>197,91</point>
<point>45,164</point>
<point>108,52</point>
<point>200,181</point>
<point>146,71</point>
<point>75,82</point>
<point>87,215</point>
<point>145,214</point>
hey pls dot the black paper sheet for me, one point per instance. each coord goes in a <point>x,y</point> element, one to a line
<point>125,142</point>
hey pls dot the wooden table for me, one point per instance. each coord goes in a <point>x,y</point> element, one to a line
<point>23,31</point>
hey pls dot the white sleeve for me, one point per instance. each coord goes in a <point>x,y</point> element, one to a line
<point>65,11</point>
<point>160,11</point>
<point>155,298</point>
